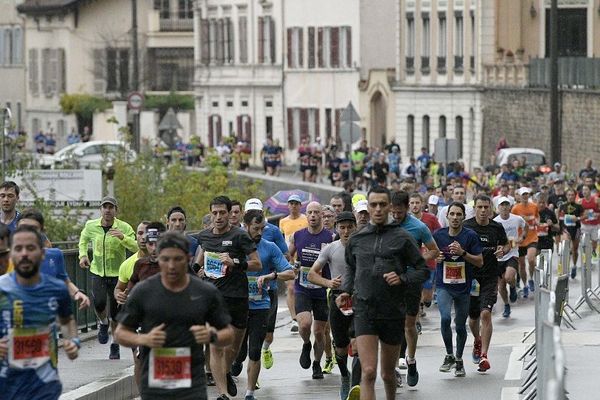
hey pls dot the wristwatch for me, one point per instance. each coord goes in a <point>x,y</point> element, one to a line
<point>464,253</point>
<point>76,341</point>
<point>213,336</point>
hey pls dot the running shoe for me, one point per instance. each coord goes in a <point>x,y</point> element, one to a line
<point>231,386</point>
<point>573,272</point>
<point>267,358</point>
<point>328,366</point>
<point>398,377</point>
<point>477,351</point>
<point>412,376</point>
<point>223,397</point>
<point>402,363</point>
<point>459,369</point>
<point>506,312</point>
<point>419,327</point>
<point>210,380</point>
<point>305,355</point>
<point>249,397</point>
<point>103,333</point>
<point>115,351</point>
<point>513,294</point>
<point>236,368</point>
<point>449,363</point>
<point>257,386</point>
<point>317,371</point>
<point>354,393</point>
<point>345,387</point>
<point>294,328</point>
<point>525,291</point>
<point>531,286</point>
<point>484,364</point>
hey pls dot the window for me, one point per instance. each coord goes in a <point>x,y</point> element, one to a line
<point>313,123</point>
<point>268,103</point>
<point>33,72</point>
<point>229,103</point>
<point>266,40</point>
<point>117,70</point>
<point>163,7</point>
<point>572,39</point>
<point>442,127</point>
<point>334,57</point>
<point>61,129</point>
<point>326,47</point>
<point>328,124</point>
<point>473,42</point>
<point>215,104</point>
<point>425,132</point>
<point>425,43</point>
<point>35,125</point>
<point>186,9</point>
<point>410,133</point>
<point>458,42</point>
<point>7,47</point>
<point>269,127</point>
<point>212,41</point>
<point>17,46</point>
<point>458,126</point>
<point>410,43</point>
<point>295,48</point>
<point>171,69</point>
<point>214,130</point>
<point>243,33</point>
<point>228,41</point>
<point>346,46</point>
<point>311,47</point>
<point>245,103</point>
<point>442,43</point>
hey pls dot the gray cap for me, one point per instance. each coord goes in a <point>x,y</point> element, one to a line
<point>110,200</point>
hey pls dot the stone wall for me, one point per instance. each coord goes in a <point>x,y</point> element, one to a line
<point>523,117</point>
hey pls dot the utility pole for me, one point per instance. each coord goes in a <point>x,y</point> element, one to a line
<point>555,128</point>
<point>135,79</point>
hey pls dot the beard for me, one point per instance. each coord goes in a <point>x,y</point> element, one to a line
<point>28,273</point>
<point>257,239</point>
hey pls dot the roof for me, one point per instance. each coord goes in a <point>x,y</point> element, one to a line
<point>46,6</point>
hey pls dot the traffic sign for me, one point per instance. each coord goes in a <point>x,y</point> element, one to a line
<point>349,132</point>
<point>135,100</point>
<point>349,114</point>
<point>446,150</point>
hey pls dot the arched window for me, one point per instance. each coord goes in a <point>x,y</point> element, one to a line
<point>442,127</point>
<point>458,126</point>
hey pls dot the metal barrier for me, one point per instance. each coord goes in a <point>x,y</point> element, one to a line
<point>86,319</point>
<point>587,293</point>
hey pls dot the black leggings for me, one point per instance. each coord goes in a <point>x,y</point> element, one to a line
<point>255,335</point>
<point>103,288</point>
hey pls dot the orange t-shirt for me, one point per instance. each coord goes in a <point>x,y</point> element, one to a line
<point>531,215</point>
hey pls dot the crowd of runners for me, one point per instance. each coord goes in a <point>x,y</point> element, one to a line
<point>359,270</point>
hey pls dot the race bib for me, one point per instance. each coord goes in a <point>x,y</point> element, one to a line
<point>542,230</point>
<point>213,266</point>
<point>254,294</point>
<point>475,287</point>
<point>28,347</point>
<point>303,279</point>
<point>170,368</point>
<point>454,272</point>
<point>570,220</point>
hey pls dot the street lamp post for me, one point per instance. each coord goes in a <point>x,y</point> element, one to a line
<point>555,134</point>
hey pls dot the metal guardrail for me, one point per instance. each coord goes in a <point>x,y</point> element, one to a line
<point>587,294</point>
<point>86,319</point>
<point>573,72</point>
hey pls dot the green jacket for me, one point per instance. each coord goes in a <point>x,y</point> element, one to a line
<point>109,251</point>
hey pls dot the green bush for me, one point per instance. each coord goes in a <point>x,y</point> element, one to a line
<point>162,103</point>
<point>83,106</point>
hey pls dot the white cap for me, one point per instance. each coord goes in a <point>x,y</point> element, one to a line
<point>504,199</point>
<point>433,199</point>
<point>523,190</point>
<point>361,205</point>
<point>253,204</point>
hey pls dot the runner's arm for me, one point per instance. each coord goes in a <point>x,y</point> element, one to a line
<point>254,263</point>
<point>314,275</point>
<point>432,251</point>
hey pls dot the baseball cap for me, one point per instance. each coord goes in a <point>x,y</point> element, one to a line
<point>294,197</point>
<point>433,199</point>
<point>109,200</point>
<point>345,216</point>
<point>522,191</point>
<point>361,205</point>
<point>504,199</point>
<point>253,204</point>
<point>358,197</point>
<point>557,164</point>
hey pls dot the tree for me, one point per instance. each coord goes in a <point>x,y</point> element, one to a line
<point>83,106</point>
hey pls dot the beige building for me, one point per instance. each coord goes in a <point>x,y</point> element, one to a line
<point>12,61</point>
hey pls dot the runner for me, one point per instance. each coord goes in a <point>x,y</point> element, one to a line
<point>145,267</point>
<point>377,273</point>
<point>226,254</point>
<point>310,299</point>
<point>177,314</point>
<point>548,227</point>
<point>460,254</point>
<point>274,266</point>
<point>516,230</point>
<point>484,293</point>
<point>361,212</point>
<point>340,319</point>
<point>290,225</point>
<point>31,303</point>
<point>9,196</point>
<point>177,221</point>
<point>110,238</point>
<point>528,246</point>
<point>329,224</point>
<point>458,195</point>
<point>304,157</point>
<point>235,217</point>
<point>591,216</point>
<point>337,203</point>
<point>569,216</point>
<point>412,292</point>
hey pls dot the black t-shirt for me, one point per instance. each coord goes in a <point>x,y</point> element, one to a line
<point>381,170</point>
<point>237,244</point>
<point>151,304</point>
<point>491,236</point>
<point>557,200</point>
<point>546,241</point>
<point>570,209</point>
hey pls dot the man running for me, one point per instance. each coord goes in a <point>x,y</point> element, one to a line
<point>126,268</point>
<point>570,214</point>
<point>110,238</point>
<point>227,252</point>
<point>460,254</point>
<point>340,320</point>
<point>177,314</point>
<point>377,276</point>
<point>9,196</point>
<point>311,299</point>
<point>422,236</point>
<point>591,216</point>
<point>148,266</point>
<point>459,195</point>
<point>177,221</point>
<point>31,303</point>
<point>516,229</point>
<point>528,246</point>
<point>484,293</point>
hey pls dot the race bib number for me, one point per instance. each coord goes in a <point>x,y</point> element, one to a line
<point>542,230</point>
<point>303,279</point>
<point>29,347</point>
<point>531,221</point>
<point>475,287</point>
<point>454,272</point>
<point>570,220</point>
<point>170,368</point>
<point>213,266</point>
<point>254,292</point>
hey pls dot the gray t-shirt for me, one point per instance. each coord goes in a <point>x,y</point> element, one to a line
<point>333,254</point>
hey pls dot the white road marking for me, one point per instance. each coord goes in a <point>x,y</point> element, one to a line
<point>510,393</point>
<point>515,367</point>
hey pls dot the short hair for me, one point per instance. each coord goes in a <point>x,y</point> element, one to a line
<point>173,240</point>
<point>206,220</point>
<point>459,186</point>
<point>159,226</point>
<point>10,185</point>
<point>457,204</point>
<point>416,195</point>
<point>221,200</point>
<point>32,213</point>
<point>327,207</point>
<point>336,196</point>
<point>482,197</point>
<point>347,184</point>
<point>380,189</point>
<point>30,229</point>
<point>252,215</point>
<point>347,199</point>
<point>570,190</point>
<point>236,203</point>
<point>175,209</point>
<point>400,199</point>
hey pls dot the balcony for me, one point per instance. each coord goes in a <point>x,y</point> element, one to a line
<point>573,72</point>
<point>507,74</point>
<point>175,24</point>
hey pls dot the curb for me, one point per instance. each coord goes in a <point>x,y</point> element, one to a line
<point>120,386</point>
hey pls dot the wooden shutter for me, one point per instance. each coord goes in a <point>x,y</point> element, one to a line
<point>272,39</point>
<point>290,128</point>
<point>311,47</point>
<point>301,47</point>
<point>335,47</point>
<point>220,41</point>
<point>243,30</point>
<point>349,46</point>
<point>204,42</point>
<point>303,123</point>
<point>248,130</point>
<point>317,124</point>
<point>239,128</point>
<point>33,73</point>
<point>61,74</point>
<point>99,71</point>
<point>328,123</point>
<point>46,89</point>
<point>230,39</point>
<point>261,42</point>
<point>290,35</point>
<point>338,114</point>
<point>211,140</point>
<point>320,47</point>
<point>124,70</point>
<point>219,129</point>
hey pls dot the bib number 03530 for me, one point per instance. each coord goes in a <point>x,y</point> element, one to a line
<point>170,368</point>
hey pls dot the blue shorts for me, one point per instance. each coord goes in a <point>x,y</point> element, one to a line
<point>428,284</point>
<point>28,386</point>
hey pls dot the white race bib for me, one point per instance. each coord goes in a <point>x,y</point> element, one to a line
<point>253,290</point>
<point>28,347</point>
<point>170,368</point>
<point>213,266</point>
<point>303,279</point>
<point>475,288</point>
<point>570,220</point>
<point>454,272</point>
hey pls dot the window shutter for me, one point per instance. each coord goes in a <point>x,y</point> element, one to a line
<point>301,47</point>
<point>18,46</point>
<point>290,128</point>
<point>99,69</point>
<point>1,46</point>
<point>317,124</point>
<point>220,41</point>
<point>290,34</point>
<point>272,39</point>
<point>349,46</point>
<point>204,42</point>
<point>46,84</point>
<point>338,114</point>
<point>230,40</point>
<point>61,76</point>
<point>320,46</point>
<point>261,42</point>
<point>124,70</point>
<point>335,47</point>
<point>248,130</point>
<point>242,22</point>
<point>303,123</point>
<point>111,70</point>
<point>211,140</point>
<point>219,129</point>
<point>239,132</point>
<point>33,72</point>
<point>311,47</point>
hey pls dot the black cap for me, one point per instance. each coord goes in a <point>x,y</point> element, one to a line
<point>345,216</point>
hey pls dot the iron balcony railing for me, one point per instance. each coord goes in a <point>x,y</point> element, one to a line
<point>573,72</point>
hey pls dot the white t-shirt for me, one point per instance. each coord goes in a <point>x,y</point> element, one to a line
<point>511,226</point>
<point>442,215</point>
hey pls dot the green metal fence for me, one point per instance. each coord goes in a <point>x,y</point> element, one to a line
<point>86,319</point>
